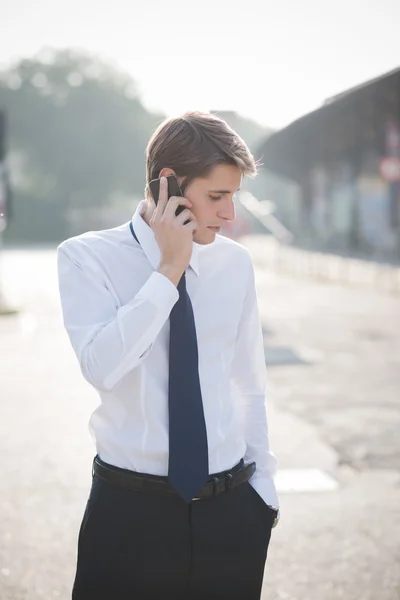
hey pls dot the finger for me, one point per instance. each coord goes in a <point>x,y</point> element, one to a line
<point>173,204</point>
<point>162,198</point>
<point>151,201</point>
<point>185,215</point>
<point>192,225</point>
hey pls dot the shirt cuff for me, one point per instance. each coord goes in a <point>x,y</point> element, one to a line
<point>159,291</point>
<point>265,487</point>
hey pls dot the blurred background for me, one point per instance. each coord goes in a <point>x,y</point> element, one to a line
<point>315,92</point>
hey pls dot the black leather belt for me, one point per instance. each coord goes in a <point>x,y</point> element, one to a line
<point>218,483</point>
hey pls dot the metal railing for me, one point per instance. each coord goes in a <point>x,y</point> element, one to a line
<point>279,253</point>
<point>263,212</point>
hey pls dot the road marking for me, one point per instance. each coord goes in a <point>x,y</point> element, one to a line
<point>304,480</point>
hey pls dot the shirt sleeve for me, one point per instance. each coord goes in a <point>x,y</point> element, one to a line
<point>250,378</point>
<point>110,341</point>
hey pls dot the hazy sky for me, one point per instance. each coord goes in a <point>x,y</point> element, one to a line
<point>272,61</point>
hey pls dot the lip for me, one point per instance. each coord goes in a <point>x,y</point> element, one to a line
<point>216,229</point>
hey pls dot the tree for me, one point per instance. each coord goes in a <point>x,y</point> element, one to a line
<point>78,129</point>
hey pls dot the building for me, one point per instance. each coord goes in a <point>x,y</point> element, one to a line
<point>345,161</point>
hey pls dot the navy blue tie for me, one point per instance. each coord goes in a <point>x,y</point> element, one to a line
<point>188,448</point>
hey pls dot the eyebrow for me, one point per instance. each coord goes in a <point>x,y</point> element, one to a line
<point>223,191</point>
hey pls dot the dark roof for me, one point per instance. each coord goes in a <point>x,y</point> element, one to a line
<point>287,151</point>
<point>362,86</point>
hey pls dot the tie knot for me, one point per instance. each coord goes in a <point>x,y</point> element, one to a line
<point>182,283</point>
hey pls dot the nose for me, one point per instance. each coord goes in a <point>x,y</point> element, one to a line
<point>227,210</point>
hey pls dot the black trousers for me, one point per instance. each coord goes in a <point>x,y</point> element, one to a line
<point>145,546</point>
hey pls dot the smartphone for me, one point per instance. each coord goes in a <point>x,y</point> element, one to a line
<point>173,190</point>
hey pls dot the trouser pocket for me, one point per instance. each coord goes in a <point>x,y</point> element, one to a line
<point>263,509</point>
<point>94,495</point>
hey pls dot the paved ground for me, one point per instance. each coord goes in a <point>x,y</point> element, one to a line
<point>334,371</point>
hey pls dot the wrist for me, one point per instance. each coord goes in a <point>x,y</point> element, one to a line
<point>171,272</point>
<point>277,512</point>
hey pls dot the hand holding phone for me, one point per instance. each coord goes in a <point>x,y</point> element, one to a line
<point>173,190</point>
<point>173,224</point>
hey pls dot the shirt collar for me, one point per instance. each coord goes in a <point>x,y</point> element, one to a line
<point>149,244</point>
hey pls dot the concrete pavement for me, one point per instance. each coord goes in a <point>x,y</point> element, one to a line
<point>330,351</point>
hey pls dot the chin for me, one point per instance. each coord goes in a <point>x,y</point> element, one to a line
<point>204,237</point>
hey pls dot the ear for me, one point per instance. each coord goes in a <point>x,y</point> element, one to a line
<point>165,171</point>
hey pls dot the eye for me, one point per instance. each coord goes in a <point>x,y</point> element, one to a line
<point>215,197</point>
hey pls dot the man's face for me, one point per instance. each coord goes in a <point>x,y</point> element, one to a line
<point>212,198</point>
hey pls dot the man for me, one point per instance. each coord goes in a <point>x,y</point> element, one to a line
<point>162,314</point>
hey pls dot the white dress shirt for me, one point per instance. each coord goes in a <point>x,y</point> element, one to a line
<point>116,309</point>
